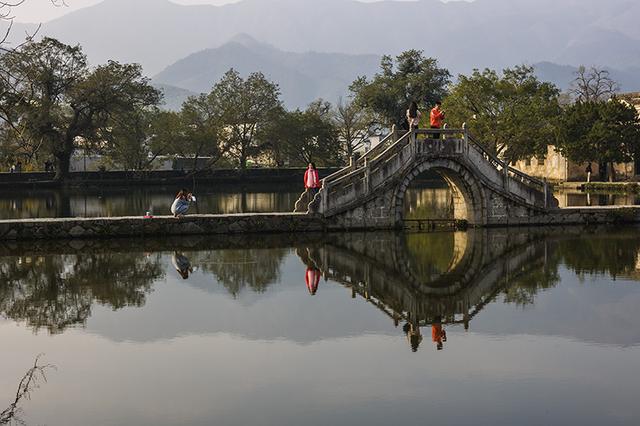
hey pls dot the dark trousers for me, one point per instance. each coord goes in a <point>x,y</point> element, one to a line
<point>435,135</point>
<point>312,193</point>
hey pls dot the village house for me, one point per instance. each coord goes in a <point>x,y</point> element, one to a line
<point>555,167</point>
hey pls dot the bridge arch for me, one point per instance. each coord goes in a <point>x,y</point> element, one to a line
<point>468,197</point>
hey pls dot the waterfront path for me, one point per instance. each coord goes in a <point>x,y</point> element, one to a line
<point>160,226</point>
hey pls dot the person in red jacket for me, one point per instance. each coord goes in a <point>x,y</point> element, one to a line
<point>311,180</point>
<point>437,118</point>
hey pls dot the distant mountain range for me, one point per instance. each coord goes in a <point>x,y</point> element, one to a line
<point>462,35</point>
<point>302,77</point>
<point>174,97</point>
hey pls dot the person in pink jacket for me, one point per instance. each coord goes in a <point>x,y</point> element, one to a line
<point>311,180</point>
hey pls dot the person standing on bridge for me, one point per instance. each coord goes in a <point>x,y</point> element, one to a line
<point>311,180</point>
<point>437,118</point>
<point>413,116</point>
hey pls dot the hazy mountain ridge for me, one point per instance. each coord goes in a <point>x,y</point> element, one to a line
<point>173,97</point>
<point>302,77</point>
<point>493,33</point>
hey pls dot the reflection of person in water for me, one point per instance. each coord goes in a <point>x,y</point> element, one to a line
<point>414,337</point>
<point>312,278</point>
<point>182,264</point>
<point>438,334</point>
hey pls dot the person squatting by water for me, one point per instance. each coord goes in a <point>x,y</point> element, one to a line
<point>413,116</point>
<point>181,204</point>
<point>436,118</point>
<point>311,180</point>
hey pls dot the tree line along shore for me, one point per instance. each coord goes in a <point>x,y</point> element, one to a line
<point>53,105</point>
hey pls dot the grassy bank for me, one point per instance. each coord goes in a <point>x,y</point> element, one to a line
<point>612,187</point>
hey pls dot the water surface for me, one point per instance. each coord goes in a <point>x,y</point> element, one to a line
<point>486,327</point>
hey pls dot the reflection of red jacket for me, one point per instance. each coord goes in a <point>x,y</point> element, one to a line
<point>312,181</point>
<point>312,277</point>
<point>437,333</point>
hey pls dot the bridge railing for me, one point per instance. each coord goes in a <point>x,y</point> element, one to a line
<point>503,166</point>
<point>373,152</point>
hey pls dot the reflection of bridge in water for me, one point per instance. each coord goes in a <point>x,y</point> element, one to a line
<point>420,278</point>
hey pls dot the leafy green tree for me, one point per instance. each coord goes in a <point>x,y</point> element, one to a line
<point>514,114</point>
<point>411,77</point>
<point>56,104</point>
<point>302,137</point>
<point>194,132</point>
<point>604,131</point>
<point>129,142</point>
<point>244,108</point>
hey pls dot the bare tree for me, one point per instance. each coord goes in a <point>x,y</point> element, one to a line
<point>592,85</point>
<point>7,17</point>
<point>30,382</point>
<point>352,125</point>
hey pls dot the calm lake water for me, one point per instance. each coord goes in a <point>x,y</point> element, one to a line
<point>481,327</point>
<point>425,199</point>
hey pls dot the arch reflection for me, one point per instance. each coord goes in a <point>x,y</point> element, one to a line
<point>439,279</point>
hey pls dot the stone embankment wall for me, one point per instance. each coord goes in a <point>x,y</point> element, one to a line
<point>255,223</point>
<point>34,229</point>
<point>577,216</point>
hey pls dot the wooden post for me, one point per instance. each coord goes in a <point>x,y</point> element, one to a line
<point>546,193</point>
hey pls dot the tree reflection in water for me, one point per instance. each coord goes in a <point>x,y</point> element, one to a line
<point>237,269</point>
<point>418,280</point>
<point>55,292</point>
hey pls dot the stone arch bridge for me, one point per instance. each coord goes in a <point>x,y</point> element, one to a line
<point>369,193</point>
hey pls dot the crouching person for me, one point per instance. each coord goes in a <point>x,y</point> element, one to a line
<point>181,204</point>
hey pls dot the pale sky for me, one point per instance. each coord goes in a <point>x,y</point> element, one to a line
<point>43,11</point>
